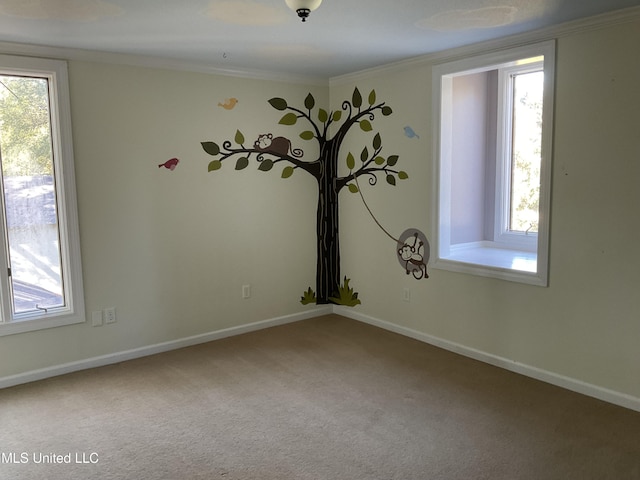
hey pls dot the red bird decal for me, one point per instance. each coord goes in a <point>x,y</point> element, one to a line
<point>170,164</point>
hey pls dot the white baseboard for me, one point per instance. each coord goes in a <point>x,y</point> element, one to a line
<point>125,355</point>
<point>568,383</point>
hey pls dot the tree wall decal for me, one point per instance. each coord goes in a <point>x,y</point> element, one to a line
<point>270,151</point>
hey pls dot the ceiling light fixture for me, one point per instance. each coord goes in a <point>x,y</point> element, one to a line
<point>303,7</point>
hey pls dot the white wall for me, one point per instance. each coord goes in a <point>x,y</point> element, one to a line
<point>586,324</point>
<point>172,249</point>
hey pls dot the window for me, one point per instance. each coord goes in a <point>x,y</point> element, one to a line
<point>40,271</point>
<point>493,127</point>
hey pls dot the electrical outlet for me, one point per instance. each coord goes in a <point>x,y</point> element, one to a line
<point>96,318</point>
<point>406,295</point>
<point>110,315</point>
<point>246,291</point>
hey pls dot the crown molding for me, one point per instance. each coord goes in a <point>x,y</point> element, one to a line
<point>147,61</point>
<point>595,22</point>
<point>604,20</point>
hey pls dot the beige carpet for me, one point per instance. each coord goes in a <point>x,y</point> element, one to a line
<point>328,398</point>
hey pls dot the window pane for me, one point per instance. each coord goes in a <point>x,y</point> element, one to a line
<point>29,194</point>
<point>526,152</point>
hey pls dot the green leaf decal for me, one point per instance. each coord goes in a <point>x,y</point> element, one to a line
<point>211,148</point>
<point>308,297</point>
<point>323,116</point>
<point>287,172</point>
<point>353,188</point>
<point>307,135</point>
<point>242,163</point>
<point>402,175</point>
<point>265,165</point>
<point>337,116</point>
<point>289,119</point>
<point>380,160</point>
<point>214,165</point>
<point>365,125</point>
<point>372,97</point>
<point>239,138</point>
<point>364,156</point>
<point>391,180</point>
<point>351,162</point>
<point>356,98</point>
<point>377,141</point>
<point>278,103</point>
<point>392,160</point>
<point>347,296</point>
<point>309,102</point>
<point>386,111</point>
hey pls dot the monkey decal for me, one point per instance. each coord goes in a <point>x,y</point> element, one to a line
<point>412,248</point>
<point>279,146</point>
<point>413,253</point>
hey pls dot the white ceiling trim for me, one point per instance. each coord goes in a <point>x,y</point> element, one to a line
<point>599,21</point>
<point>30,50</point>
<point>618,17</point>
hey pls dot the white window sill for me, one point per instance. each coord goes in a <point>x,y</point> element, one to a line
<point>492,261</point>
<point>492,256</point>
<point>33,324</point>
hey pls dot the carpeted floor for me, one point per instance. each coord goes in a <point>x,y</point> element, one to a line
<point>328,398</point>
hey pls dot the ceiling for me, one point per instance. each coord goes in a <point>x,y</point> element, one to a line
<point>264,36</point>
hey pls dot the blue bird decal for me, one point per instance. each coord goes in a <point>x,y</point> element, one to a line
<point>408,131</point>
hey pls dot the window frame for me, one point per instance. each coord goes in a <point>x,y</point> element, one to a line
<point>525,262</point>
<point>55,71</point>
<point>504,160</point>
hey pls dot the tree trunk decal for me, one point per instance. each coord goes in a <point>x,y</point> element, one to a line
<point>328,246</point>
<point>269,151</point>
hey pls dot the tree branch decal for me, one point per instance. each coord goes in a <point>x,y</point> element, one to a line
<point>269,151</point>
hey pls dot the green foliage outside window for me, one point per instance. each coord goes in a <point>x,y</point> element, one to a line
<point>25,135</point>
